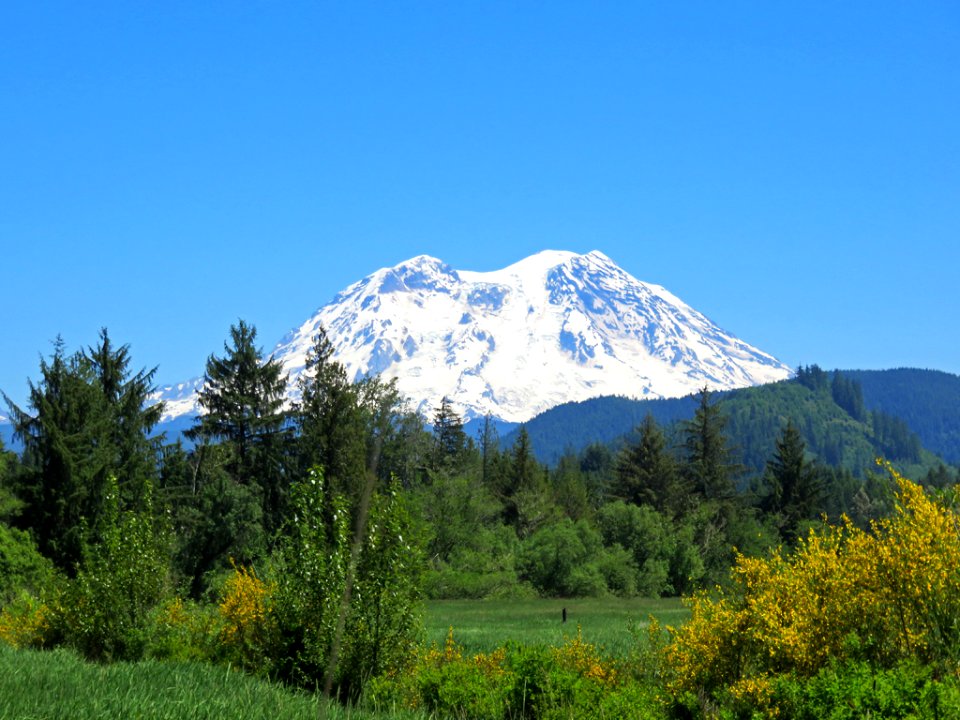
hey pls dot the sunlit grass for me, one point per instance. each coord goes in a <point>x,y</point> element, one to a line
<point>483,625</point>
<point>57,684</point>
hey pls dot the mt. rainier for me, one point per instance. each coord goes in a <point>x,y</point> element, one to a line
<point>552,328</point>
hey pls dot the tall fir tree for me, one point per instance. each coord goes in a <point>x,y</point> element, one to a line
<point>646,473</point>
<point>793,487</point>
<point>243,397</point>
<point>524,492</point>
<point>450,442</point>
<point>710,469</point>
<point>89,422</point>
<point>133,416</point>
<point>329,419</point>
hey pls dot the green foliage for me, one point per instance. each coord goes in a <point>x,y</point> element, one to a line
<point>242,397</point>
<point>450,442</point>
<point>646,473</point>
<point>709,466</point>
<point>104,612</point>
<point>793,488</point>
<point>344,612</point>
<point>329,419</point>
<point>89,422</point>
<point>516,680</point>
<point>223,525</point>
<point>658,552</point>
<point>567,559</point>
<point>22,567</point>
<point>927,400</point>
<point>58,684</point>
<point>853,689</point>
<point>523,489</point>
<point>484,567</point>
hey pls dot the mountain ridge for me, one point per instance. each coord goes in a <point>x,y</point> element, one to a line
<point>550,328</point>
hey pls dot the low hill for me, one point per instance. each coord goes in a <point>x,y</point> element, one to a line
<point>836,435</point>
<point>927,400</point>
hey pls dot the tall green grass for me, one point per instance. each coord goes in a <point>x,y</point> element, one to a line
<point>483,625</point>
<point>59,685</point>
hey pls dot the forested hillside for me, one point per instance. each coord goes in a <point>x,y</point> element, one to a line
<point>839,426</point>
<point>927,400</point>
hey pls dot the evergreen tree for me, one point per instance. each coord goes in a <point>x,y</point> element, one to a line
<point>489,451</point>
<point>646,473</point>
<point>793,486</point>
<point>450,442</point>
<point>330,420</point>
<point>89,423</point>
<point>525,494</point>
<point>132,418</point>
<point>243,399</point>
<point>709,468</point>
<point>848,394</point>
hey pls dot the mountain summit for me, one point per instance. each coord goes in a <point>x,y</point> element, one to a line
<point>552,328</point>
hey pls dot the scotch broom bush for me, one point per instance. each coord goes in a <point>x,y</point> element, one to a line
<point>883,596</point>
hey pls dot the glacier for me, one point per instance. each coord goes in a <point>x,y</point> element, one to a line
<point>552,328</point>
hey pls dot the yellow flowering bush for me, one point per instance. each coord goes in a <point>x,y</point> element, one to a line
<point>25,622</point>
<point>573,679</point>
<point>883,595</point>
<point>247,626</point>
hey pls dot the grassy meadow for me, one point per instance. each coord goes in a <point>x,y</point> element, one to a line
<point>483,625</point>
<point>57,684</point>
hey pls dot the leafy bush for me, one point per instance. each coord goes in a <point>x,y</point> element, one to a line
<point>22,567</point>
<point>325,623</point>
<point>25,622</point>
<point>517,681</point>
<point>562,560</point>
<point>104,612</point>
<point>853,690</point>
<point>882,597</point>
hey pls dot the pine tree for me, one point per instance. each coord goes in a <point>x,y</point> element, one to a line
<point>524,493</point>
<point>709,469</point>
<point>132,418</point>
<point>90,422</point>
<point>646,473</point>
<point>793,485</point>
<point>450,442</point>
<point>243,398</point>
<point>330,420</point>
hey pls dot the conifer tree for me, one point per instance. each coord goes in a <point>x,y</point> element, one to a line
<point>450,442</point>
<point>329,418</point>
<point>243,398</point>
<point>646,473</point>
<point>524,492</point>
<point>132,418</point>
<point>793,485</point>
<point>709,469</point>
<point>89,421</point>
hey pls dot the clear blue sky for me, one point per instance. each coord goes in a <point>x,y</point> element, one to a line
<point>792,170</point>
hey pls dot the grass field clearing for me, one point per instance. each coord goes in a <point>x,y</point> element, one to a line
<point>483,625</point>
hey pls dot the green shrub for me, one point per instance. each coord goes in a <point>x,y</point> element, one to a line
<point>535,682</point>
<point>104,612</point>
<point>853,689</point>
<point>359,632</point>
<point>22,567</point>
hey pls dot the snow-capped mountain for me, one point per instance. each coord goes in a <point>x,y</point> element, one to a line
<point>552,328</point>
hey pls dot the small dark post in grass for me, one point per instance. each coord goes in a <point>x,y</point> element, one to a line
<point>564,614</point>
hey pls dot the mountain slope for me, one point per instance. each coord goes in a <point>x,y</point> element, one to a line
<point>927,400</point>
<point>756,416</point>
<point>552,328</point>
